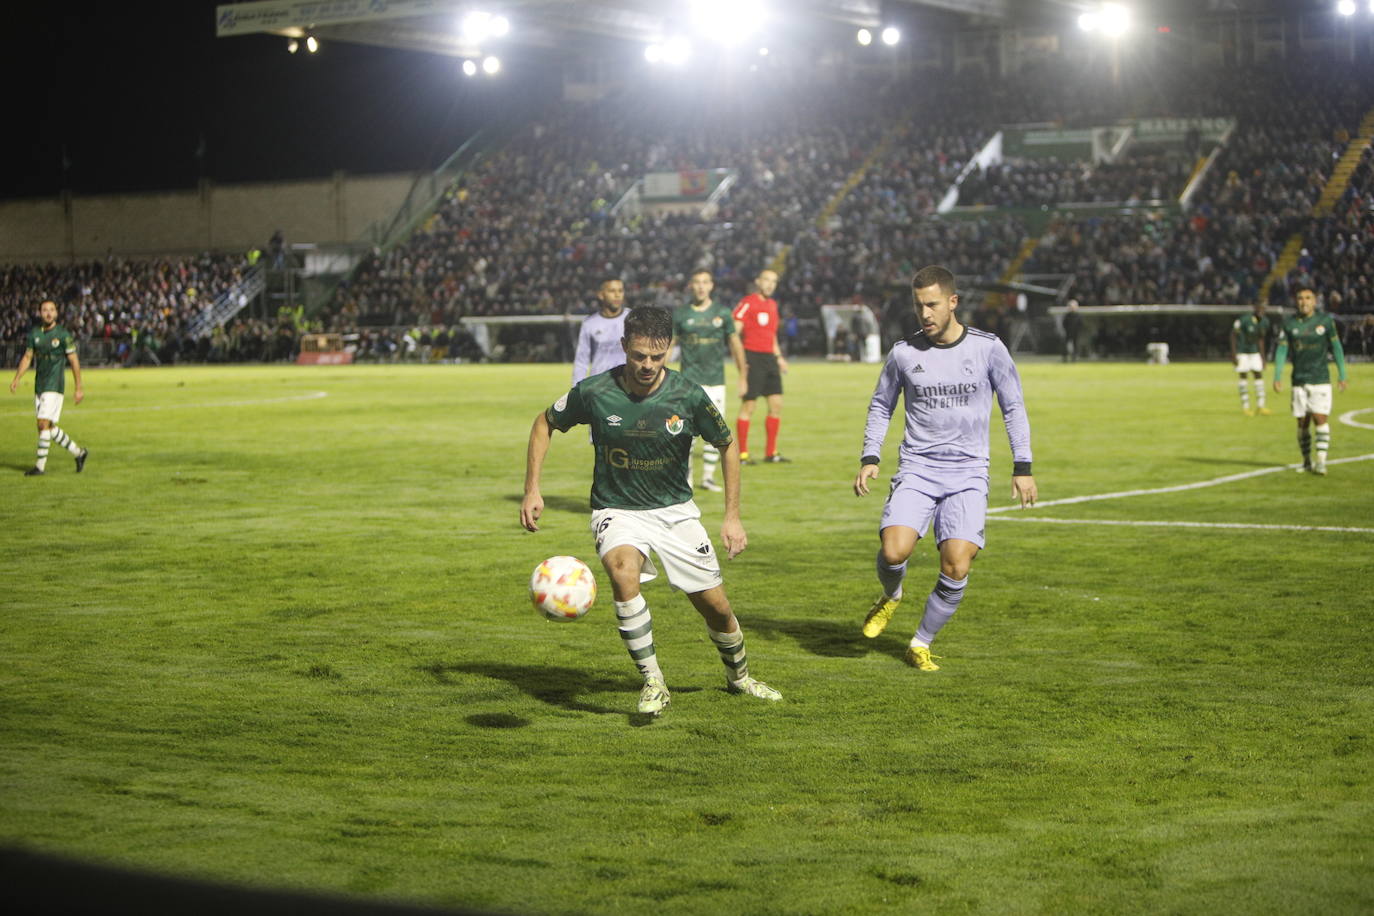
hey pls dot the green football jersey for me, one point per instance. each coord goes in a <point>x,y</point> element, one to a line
<point>642,444</point>
<point>1250,331</point>
<point>1308,340</point>
<point>50,349</point>
<point>704,339</point>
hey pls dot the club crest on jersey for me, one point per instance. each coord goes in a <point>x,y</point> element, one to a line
<point>1321,329</point>
<point>674,424</point>
<point>613,420</point>
<point>58,343</point>
<point>715,322</point>
<point>968,367</point>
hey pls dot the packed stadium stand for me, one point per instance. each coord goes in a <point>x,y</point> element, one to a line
<point>845,190</point>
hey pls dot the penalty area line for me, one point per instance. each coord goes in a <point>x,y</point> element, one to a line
<point>1163,524</point>
<point>1179,488</point>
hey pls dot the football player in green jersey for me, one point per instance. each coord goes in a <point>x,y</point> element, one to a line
<point>1310,335</point>
<point>704,330</point>
<point>51,349</point>
<point>644,417</point>
<point>1248,336</point>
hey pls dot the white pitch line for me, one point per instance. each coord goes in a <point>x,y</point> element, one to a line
<point>1179,488</point>
<point>312,396</point>
<point>1348,418</point>
<point>1153,524</point>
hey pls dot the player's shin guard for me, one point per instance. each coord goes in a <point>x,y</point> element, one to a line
<point>1305,444</point>
<point>940,606</point>
<point>1244,394</point>
<point>637,632</point>
<point>1259,393</point>
<point>44,440</point>
<point>732,654</point>
<point>890,577</point>
<point>64,440</point>
<point>1323,442</point>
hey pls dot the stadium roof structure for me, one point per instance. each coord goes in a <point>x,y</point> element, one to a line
<point>571,25</point>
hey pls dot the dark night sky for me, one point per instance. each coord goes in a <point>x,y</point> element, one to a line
<point>130,102</point>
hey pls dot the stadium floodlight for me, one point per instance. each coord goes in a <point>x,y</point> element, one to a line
<point>676,51</point>
<point>1087,22</point>
<point>1346,7</point>
<point>763,52</point>
<point>311,44</point>
<point>479,25</point>
<point>653,54</point>
<point>1115,19</point>
<point>891,35</point>
<point>469,68</point>
<point>865,37</point>
<point>728,21</point>
<point>491,66</point>
<point>293,46</point>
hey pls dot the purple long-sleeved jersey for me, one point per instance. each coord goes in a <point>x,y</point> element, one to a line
<point>598,345</point>
<point>948,390</point>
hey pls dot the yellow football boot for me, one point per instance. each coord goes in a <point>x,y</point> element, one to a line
<point>879,615</point>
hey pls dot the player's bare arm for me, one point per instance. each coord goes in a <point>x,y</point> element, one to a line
<point>1023,490</point>
<point>76,376</point>
<point>532,506</point>
<point>731,528</point>
<point>866,473</point>
<point>19,373</point>
<point>737,352</point>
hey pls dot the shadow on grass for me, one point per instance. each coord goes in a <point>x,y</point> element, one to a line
<point>555,686</point>
<point>559,503</point>
<point>826,638</point>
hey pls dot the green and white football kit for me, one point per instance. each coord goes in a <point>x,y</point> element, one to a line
<point>1309,340</point>
<point>703,338</point>
<point>640,495</point>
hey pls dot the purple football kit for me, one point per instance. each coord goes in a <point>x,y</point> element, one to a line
<point>942,470</point>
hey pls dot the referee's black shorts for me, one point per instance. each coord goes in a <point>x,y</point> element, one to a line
<point>764,376</point>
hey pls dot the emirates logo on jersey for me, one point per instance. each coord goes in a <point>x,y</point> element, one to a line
<point>674,424</point>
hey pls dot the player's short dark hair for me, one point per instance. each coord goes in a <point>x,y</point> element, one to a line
<point>934,275</point>
<point>701,270</point>
<point>649,322</point>
<point>608,278</point>
<point>1304,288</point>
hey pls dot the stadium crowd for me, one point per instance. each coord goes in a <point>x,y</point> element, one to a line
<point>839,186</point>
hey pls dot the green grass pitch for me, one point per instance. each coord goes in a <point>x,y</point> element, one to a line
<point>277,635</point>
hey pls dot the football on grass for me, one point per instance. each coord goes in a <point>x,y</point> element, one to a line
<point>562,588</point>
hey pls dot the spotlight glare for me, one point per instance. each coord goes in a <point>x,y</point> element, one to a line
<point>1087,22</point>
<point>469,68</point>
<point>865,37</point>
<point>311,44</point>
<point>654,54</point>
<point>1346,7</point>
<point>891,36</point>
<point>728,21</point>
<point>500,26</point>
<point>676,52</point>
<point>763,52</point>
<point>293,46</point>
<point>476,25</point>
<point>1116,19</point>
<point>491,65</point>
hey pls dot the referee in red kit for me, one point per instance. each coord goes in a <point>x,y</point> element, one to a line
<point>756,320</point>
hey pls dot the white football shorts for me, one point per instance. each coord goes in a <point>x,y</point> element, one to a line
<point>1249,362</point>
<point>1312,399</point>
<point>675,533</point>
<point>48,405</point>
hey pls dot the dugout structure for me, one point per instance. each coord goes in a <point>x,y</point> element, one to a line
<point>852,333</point>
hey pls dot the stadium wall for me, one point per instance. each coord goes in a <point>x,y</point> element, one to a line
<point>228,217</point>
